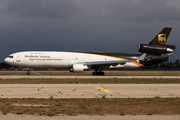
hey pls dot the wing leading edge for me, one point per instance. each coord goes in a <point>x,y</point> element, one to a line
<point>107,62</point>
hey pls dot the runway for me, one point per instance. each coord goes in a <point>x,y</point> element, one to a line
<point>89,90</point>
<point>90,117</point>
<point>84,77</point>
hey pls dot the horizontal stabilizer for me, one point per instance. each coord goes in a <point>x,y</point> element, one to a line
<point>158,58</point>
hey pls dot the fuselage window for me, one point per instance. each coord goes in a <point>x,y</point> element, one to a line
<point>10,56</point>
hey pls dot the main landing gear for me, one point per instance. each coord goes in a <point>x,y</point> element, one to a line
<point>96,73</point>
<point>28,73</point>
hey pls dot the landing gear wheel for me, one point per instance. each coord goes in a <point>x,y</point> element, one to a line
<point>102,73</point>
<point>28,73</point>
<point>98,73</point>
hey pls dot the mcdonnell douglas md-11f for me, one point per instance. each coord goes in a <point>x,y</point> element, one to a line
<point>80,61</point>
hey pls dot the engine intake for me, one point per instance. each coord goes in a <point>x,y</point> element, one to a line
<point>155,49</point>
<point>79,67</point>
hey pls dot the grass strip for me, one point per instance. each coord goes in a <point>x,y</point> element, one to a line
<point>90,81</point>
<point>95,106</point>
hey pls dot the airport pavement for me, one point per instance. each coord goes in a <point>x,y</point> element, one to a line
<point>89,90</point>
<point>90,117</point>
<point>84,77</point>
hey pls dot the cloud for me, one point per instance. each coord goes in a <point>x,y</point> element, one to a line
<point>84,25</point>
<point>143,11</point>
<point>40,8</point>
<point>173,3</point>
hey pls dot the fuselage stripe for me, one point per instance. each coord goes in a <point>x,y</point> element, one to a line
<point>106,56</point>
<point>141,65</point>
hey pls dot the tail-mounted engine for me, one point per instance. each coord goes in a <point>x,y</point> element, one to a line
<point>156,49</point>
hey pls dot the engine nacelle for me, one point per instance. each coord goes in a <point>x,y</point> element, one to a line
<point>79,68</point>
<point>155,49</point>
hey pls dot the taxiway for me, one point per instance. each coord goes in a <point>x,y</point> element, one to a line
<point>89,90</point>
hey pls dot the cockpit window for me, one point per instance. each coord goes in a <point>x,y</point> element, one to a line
<point>10,56</point>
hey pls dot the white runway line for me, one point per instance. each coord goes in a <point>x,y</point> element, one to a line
<point>84,77</point>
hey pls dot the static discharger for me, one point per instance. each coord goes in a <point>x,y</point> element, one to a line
<point>102,89</point>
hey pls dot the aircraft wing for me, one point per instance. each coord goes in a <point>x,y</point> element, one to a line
<point>107,62</point>
<point>114,62</point>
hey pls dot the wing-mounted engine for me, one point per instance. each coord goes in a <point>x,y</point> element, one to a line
<point>79,67</point>
<point>156,49</point>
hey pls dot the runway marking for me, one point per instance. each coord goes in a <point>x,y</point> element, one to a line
<point>102,89</point>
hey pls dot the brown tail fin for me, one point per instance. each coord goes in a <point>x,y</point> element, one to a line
<point>162,37</point>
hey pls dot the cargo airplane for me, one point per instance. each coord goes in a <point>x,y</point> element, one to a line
<point>80,61</point>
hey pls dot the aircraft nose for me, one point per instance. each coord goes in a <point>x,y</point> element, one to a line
<point>6,60</point>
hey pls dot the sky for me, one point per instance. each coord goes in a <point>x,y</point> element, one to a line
<point>85,25</point>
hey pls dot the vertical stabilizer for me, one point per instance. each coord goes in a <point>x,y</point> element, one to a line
<point>161,38</point>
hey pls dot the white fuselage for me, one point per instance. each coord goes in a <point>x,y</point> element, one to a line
<point>64,60</point>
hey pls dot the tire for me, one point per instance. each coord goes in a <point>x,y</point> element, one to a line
<point>94,73</point>
<point>98,73</point>
<point>28,73</point>
<point>102,73</point>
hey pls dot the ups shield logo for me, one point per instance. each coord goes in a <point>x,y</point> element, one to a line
<point>162,38</point>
